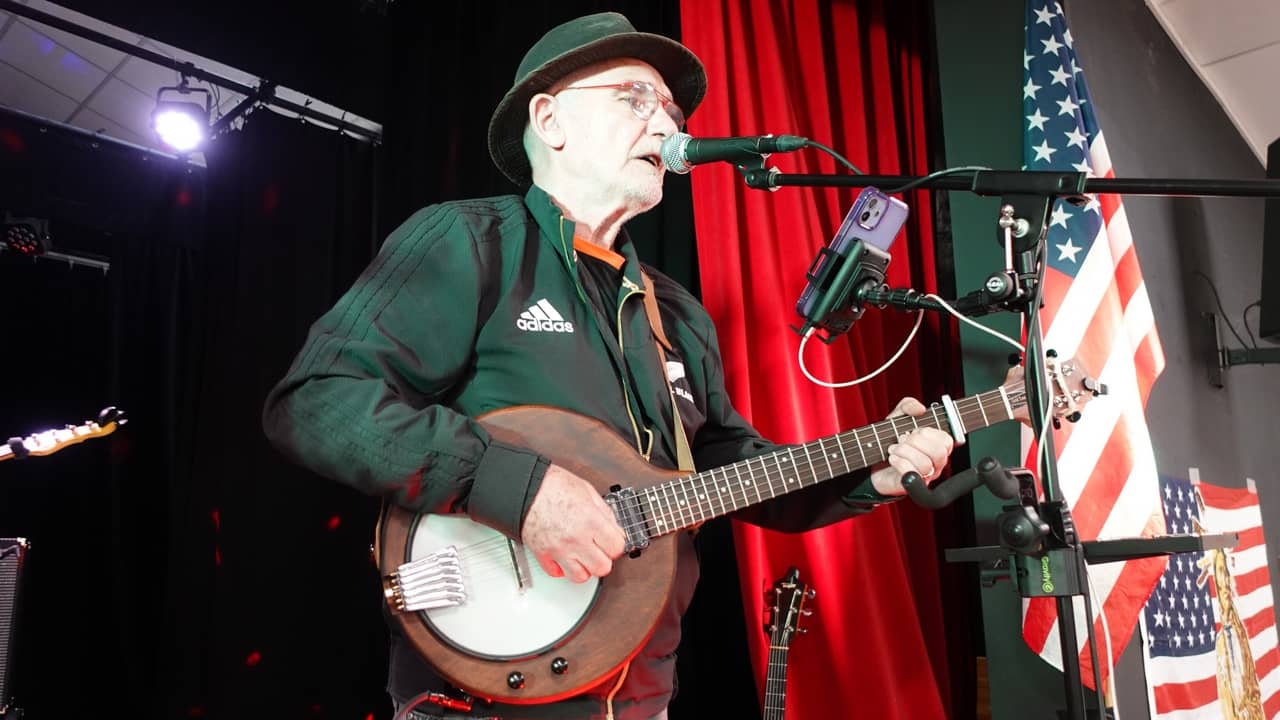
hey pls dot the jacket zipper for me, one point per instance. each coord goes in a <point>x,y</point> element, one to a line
<point>632,288</point>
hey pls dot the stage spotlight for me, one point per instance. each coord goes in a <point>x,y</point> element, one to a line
<point>25,236</point>
<point>179,120</point>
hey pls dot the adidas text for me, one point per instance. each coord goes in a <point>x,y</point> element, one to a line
<point>542,317</point>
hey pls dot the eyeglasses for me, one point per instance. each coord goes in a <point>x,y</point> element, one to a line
<point>644,99</point>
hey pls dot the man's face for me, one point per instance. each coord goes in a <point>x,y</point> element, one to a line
<point>610,152</point>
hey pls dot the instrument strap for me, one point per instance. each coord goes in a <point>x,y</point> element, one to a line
<point>684,456</point>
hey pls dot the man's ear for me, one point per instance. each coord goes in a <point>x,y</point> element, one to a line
<point>544,119</point>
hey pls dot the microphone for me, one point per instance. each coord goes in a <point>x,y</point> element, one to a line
<point>681,151</point>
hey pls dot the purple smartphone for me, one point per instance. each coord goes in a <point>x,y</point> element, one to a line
<point>875,219</point>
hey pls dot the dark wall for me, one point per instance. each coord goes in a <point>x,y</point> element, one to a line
<point>1159,121</point>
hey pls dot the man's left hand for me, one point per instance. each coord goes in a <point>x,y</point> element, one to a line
<point>923,450</point>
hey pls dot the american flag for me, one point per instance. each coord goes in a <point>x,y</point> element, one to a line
<point>1095,309</point>
<point>1193,617</point>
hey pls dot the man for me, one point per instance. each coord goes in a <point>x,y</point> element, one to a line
<point>473,306</point>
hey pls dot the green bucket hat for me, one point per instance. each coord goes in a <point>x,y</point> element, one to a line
<point>574,45</point>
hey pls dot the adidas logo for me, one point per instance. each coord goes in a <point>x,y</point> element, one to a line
<point>541,317</point>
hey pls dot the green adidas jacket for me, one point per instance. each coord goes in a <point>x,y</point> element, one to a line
<point>477,305</point>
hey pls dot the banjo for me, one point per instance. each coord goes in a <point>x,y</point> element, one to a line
<point>478,606</point>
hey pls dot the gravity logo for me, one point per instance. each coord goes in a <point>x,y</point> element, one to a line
<point>1046,575</point>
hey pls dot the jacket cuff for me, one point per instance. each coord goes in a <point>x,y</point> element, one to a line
<point>864,496</point>
<point>507,480</point>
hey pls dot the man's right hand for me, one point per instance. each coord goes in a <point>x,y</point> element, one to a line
<point>571,529</point>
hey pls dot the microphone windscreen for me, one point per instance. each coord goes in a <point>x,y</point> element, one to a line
<point>673,149</point>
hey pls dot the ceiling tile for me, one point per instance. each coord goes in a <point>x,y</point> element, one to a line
<point>40,56</point>
<point>100,55</point>
<point>1213,30</point>
<point>1237,82</point>
<point>21,91</point>
<point>93,122</point>
<point>147,77</point>
<point>124,105</point>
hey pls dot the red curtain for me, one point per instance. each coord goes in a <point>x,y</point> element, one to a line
<point>849,75</point>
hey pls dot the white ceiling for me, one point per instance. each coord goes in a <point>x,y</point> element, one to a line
<point>1234,45</point>
<point>63,77</point>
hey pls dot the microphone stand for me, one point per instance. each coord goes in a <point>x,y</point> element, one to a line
<point>1059,570</point>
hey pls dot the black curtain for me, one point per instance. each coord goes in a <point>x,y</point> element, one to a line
<point>179,567</point>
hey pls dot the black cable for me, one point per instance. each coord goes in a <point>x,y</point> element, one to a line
<point>834,154</point>
<point>949,171</point>
<point>1244,318</point>
<point>1223,313</point>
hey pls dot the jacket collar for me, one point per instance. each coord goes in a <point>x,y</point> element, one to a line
<point>558,232</point>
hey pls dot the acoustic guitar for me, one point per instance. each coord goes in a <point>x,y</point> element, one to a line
<point>477,605</point>
<point>789,596</point>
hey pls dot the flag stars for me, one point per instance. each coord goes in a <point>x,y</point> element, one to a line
<point>1059,217</point>
<point>1036,121</point>
<point>1051,46</point>
<point>1029,90</point>
<point>1026,60</point>
<point>1043,151</point>
<point>1066,107</point>
<point>1075,138</point>
<point>1060,76</point>
<point>1066,36</point>
<point>1093,205</point>
<point>1068,251</point>
<point>1044,15</point>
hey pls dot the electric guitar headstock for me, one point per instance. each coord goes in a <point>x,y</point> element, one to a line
<point>1070,386</point>
<point>51,441</point>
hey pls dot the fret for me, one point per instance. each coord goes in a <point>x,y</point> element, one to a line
<point>737,473</point>
<point>822,449</point>
<point>682,496</point>
<point>655,503</point>
<point>985,421</point>
<point>1004,396</point>
<point>743,483</point>
<point>704,498</point>
<point>875,432</point>
<point>808,459</point>
<point>937,422</point>
<point>668,495</point>
<point>723,485</point>
<point>845,458</point>
<point>858,444</point>
<point>773,491</point>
